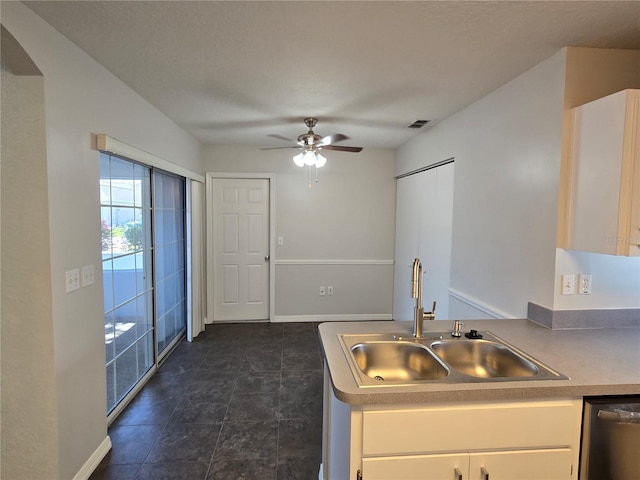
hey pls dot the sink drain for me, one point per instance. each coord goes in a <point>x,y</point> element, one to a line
<point>378,377</point>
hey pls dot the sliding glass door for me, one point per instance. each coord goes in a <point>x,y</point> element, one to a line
<point>169,244</point>
<point>143,263</point>
<point>125,198</point>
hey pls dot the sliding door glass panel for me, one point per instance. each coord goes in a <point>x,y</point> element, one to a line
<point>169,243</point>
<point>125,198</point>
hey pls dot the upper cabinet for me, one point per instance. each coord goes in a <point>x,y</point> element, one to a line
<point>604,200</point>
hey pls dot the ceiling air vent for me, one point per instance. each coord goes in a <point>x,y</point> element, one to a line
<point>419,123</point>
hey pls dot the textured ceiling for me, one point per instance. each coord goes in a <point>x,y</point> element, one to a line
<point>233,72</point>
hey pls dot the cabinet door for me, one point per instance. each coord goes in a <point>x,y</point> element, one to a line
<point>417,467</point>
<point>551,464</point>
<point>604,210</point>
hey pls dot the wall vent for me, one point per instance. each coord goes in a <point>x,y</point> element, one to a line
<point>419,124</point>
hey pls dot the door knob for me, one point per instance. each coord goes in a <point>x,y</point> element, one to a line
<point>266,258</point>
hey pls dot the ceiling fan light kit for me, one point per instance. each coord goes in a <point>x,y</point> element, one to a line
<point>309,158</point>
<point>299,159</point>
<point>310,145</point>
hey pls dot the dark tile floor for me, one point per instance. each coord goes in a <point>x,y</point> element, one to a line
<point>243,401</point>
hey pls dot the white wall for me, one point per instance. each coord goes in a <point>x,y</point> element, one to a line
<point>507,158</point>
<point>28,418</point>
<point>340,232</point>
<point>510,149</point>
<point>615,280</point>
<point>82,99</point>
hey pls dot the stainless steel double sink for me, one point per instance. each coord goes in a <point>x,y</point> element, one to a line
<point>378,360</point>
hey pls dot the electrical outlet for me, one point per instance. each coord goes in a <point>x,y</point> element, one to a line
<point>330,290</point>
<point>72,280</point>
<point>88,275</point>
<point>568,284</point>
<point>322,292</point>
<point>584,284</point>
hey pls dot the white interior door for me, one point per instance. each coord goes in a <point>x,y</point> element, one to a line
<point>424,224</point>
<point>240,249</point>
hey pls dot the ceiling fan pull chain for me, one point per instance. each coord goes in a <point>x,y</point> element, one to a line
<point>309,179</point>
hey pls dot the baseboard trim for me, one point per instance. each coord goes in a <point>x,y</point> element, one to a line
<point>94,460</point>
<point>479,305</point>
<point>349,317</point>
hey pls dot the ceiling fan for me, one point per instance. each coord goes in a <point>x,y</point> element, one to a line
<point>311,144</point>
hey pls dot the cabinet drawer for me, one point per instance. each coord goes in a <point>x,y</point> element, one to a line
<point>470,427</point>
<point>551,464</point>
<point>417,467</point>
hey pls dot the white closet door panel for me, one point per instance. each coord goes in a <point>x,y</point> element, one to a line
<point>230,234</point>
<point>424,223</point>
<point>255,227</point>
<point>230,284</point>
<point>255,293</point>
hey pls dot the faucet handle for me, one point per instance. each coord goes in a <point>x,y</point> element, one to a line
<point>432,314</point>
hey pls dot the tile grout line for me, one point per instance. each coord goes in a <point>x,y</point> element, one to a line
<point>182,399</point>
<point>215,448</point>
<point>279,417</point>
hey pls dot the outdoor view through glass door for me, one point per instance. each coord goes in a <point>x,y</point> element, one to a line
<point>135,337</point>
<point>125,199</point>
<point>169,245</point>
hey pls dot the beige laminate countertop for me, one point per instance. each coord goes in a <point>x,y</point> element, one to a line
<point>597,362</point>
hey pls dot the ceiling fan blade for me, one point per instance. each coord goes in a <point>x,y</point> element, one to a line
<point>342,149</point>
<point>280,137</point>
<point>333,138</point>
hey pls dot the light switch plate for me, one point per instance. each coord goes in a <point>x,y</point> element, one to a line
<point>88,275</point>
<point>568,284</point>
<point>72,280</point>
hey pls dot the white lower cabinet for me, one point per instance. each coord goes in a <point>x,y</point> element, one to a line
<point>454,466</point>
<point>547,464</point>
<point>543,464</point>
<point>497,440</point>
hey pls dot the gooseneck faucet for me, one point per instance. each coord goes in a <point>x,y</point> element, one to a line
<point>416,292</point>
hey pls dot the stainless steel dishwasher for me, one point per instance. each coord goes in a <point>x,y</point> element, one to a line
<point>611,439</point>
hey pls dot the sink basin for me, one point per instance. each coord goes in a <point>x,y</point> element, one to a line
<point>397,361</point>
<point>484,359</point>
<point>392,360</point>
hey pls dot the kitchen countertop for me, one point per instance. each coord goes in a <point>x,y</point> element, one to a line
<point>597,362</point>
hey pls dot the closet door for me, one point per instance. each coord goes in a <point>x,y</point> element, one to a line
<point>424,220</point>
